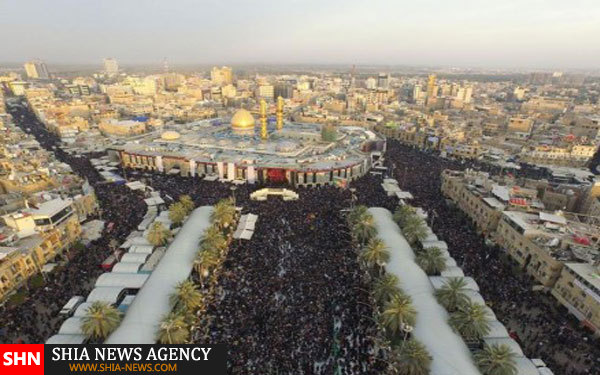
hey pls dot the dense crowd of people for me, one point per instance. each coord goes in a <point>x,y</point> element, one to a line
<point>545,330</point>
<point>36,319</point>
<point>290,299</point>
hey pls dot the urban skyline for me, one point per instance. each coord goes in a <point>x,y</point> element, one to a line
<point>347,188</point>
<point>536,35</point>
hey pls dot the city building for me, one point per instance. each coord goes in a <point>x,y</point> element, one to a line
<point>221,76</point>
<point>111,67</point>
<point>578,289</point>
<point>36,69</point>
<point>234,150</point>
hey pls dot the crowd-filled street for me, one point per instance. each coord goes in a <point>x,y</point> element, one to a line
<point>545,330</point>
<point>291,299</point>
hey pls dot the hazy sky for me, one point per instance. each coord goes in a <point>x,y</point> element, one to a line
<point>495,33</point>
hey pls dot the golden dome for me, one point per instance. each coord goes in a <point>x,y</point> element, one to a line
<point>170,135</point>
<point>242,119</point>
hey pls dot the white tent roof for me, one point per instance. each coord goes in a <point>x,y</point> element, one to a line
<point>152,301</point>
<point>497,329</point>
<point>136,239</point>
<point>243,234</point>
<point>135,185</point>
<point>491,313</point>
<point>105,294</point>
<point>538,362</point>
<point>450,354</point>
<point>66,340</point>
<point>82,309</point>
<point>154,201</point>
<point>71,326</point>
<point>475,297</point>
<point>404,195</point>
<point>450,262</point>
<point>125,280</point>
<point>450,271</point>
<point>126,267</point>
<point>141,249</point>
<point>134,258</point>
<point>431,236</point>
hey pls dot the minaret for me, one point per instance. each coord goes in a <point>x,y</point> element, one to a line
<point>263,119</point>
<point>279,113</point>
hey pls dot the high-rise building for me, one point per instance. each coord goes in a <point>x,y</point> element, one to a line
<point>111,66</point>
<point>431,87</point>
<point>416,94</point>
<point>266,92</point>
<point>371,83</point>
<point>464,94</point>
<point>221,76</point>
<point>383,80</point>
<point>36,69</point>
<point>519,93</point>
<point>284,89</point>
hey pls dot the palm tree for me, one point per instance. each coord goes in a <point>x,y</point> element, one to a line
<point>158,234</point>
<point>173,329</point>
<point>453,294</point>
<point>357,214</point>
<point>496,359</point>
<point>397,312</point>
<point>187,296</point>
<point>411,358</point>
<point>375,253</point>
<point>100,320</point>
<point>431,261</point>
<point>414,229</point>
<point>187,203</point>
<point>177,213</point>
<point>214,239</point>
<point>471,321</point>
<point>402,213</point>
<point>385,287</point>
<point>223,213</point>
<point>364,229</point>
<point>206,261</point>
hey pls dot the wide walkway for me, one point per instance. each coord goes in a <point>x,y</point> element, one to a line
<point>450,354</point>
<point>152,301</point>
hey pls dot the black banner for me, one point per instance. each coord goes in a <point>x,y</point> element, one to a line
<point>135,359</point>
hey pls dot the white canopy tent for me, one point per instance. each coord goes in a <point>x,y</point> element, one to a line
<point>136,185</point>
<point>66,340</point>
<point>125,280</point>
<point>134,258</point>
<point>126,267</point>
<point>82,309</point>
<point>497,329</point>
<point>154,201</point>
<point>71,326</point>
<point>450,354</point>
<point>141,249</point>
<point>152,301</point>
<point>245,228</point>
<point>450,271</point>
<point>106,294</point>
